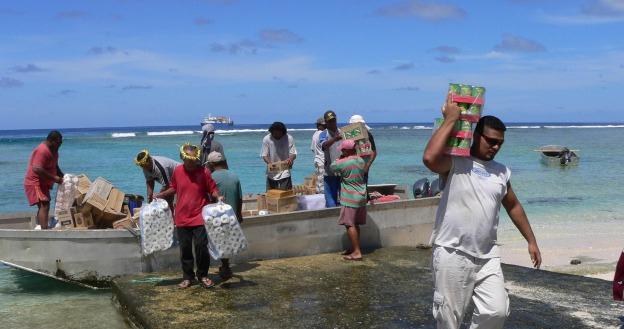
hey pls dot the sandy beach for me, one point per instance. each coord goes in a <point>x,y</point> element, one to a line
<point>597,247</point>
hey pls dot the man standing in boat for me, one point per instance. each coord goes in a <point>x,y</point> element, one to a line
<point>319,156</point>
<point>278,146</point>
<point>466,257</point>
<point>209,144</point>
<point>194,187</point>
<point>41,174</point>
<point>156,169</point>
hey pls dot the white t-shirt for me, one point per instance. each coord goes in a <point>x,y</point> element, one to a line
<point>467,217</point>
<point>278,150</point>
<point>319,155</point>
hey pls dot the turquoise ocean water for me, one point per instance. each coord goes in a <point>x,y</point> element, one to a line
<point>578,196</point>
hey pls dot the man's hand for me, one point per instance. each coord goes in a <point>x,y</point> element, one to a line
<point>59,180</point>
<point>450,110</point>
<point>150,197</point>
<point>156,196</point>
<point>221,198</point>
<point>289,162</point>
<point>337,137</point>
<point>536,256</point>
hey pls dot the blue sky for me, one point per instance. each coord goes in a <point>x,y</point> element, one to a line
<point>140,62</point>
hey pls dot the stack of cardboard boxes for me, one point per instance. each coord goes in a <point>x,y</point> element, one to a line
<point>97,204</point>
<point>280,201</point>
<point>358,133</point>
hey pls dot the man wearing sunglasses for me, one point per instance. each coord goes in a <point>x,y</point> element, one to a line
<point>466,257</point>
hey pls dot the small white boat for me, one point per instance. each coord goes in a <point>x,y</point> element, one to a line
<point>558,155</point>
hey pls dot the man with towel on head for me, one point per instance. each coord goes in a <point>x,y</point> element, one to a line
<point>208,144</point>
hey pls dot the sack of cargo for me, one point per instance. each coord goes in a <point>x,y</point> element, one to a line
<point>65,194</point>
<point>225,236</point>
<point>156,227</point>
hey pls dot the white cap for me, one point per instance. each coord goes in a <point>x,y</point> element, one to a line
<point>356,118</point>
<point>214,157</point>
<point>208,128</point>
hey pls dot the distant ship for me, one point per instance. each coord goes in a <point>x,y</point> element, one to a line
<point>218,121</point>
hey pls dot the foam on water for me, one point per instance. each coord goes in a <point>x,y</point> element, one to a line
<point>123,135</point>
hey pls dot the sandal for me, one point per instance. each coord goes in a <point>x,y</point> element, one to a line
<point>185,284</point>
<point>346,252</point>
<point>206,283</point>
<point>349,257</point>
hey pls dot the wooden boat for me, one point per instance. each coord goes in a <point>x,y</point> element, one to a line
<point>558,155</point>
<point>95,257</point>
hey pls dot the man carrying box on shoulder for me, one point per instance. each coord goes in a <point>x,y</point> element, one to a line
<point>350,167</point>
<point>466,258</point>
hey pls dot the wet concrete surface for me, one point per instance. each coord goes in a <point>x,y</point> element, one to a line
<point>391,288</point>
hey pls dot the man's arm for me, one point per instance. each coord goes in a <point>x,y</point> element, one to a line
<point>519,218</point>
<point>150,189</point>
<point>165,194</point>
<point>59,172</point>
<point>434,156</point>
<point>45,174</point>
<point>327,143</point>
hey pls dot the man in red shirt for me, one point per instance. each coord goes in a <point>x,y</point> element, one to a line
<point>194,187</point>
<point>41,174</point>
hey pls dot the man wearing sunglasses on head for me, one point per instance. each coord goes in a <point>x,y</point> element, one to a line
<point>466,257</point>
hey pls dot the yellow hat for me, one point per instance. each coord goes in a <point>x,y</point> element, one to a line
<point>185,156</point>
<point>142,158</point>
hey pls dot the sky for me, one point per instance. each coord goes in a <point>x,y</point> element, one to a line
<point>147,62</point>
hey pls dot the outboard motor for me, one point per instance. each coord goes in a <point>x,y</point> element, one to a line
<point>565,157</point>
<point>421,188</point>
<point>436,187</point>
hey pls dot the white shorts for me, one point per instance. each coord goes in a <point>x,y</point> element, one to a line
<point>460,278</point>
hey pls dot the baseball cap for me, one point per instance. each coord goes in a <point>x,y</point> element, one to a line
<point>214,157</point>
<point>208,128</point>
<point>320,121</point>
<point>356,118</point>
<point>347,144</point>
<point>329,115</point>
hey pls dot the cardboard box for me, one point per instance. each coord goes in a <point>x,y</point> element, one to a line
<point>281,205</point>
<point>64,217</point>
<point>83,185</point>
<point>354,131</point>
<point>277,194</point>
<point>83,220</point>
<point>278,166</point>
<point>124,223</point>
<point>261,201</point>
<point>97,195</point>
<point>115,200</point>
<point>249,213</point>
<point>363,147</point>
<point>310,181</point>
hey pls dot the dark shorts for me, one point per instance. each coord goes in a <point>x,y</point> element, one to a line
<point>280,184</point>
<point>352,216</point>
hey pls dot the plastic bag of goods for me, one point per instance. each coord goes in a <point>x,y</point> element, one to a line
<point>225,236</point>
<point>156,227</point>
<point>65,194</point>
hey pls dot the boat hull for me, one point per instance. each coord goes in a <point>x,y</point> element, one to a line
<point>101,255</point>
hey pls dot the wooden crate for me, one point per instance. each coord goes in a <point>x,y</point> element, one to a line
<point>354,131</point>
<point>261,201</point>
<point>278,166</point>
<point>287,204</point>
<point>277,194</point>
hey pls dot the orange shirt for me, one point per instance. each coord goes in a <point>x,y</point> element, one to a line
<point>42,157</point>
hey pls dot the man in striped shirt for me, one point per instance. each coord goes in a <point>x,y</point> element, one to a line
<point>350,167</point>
